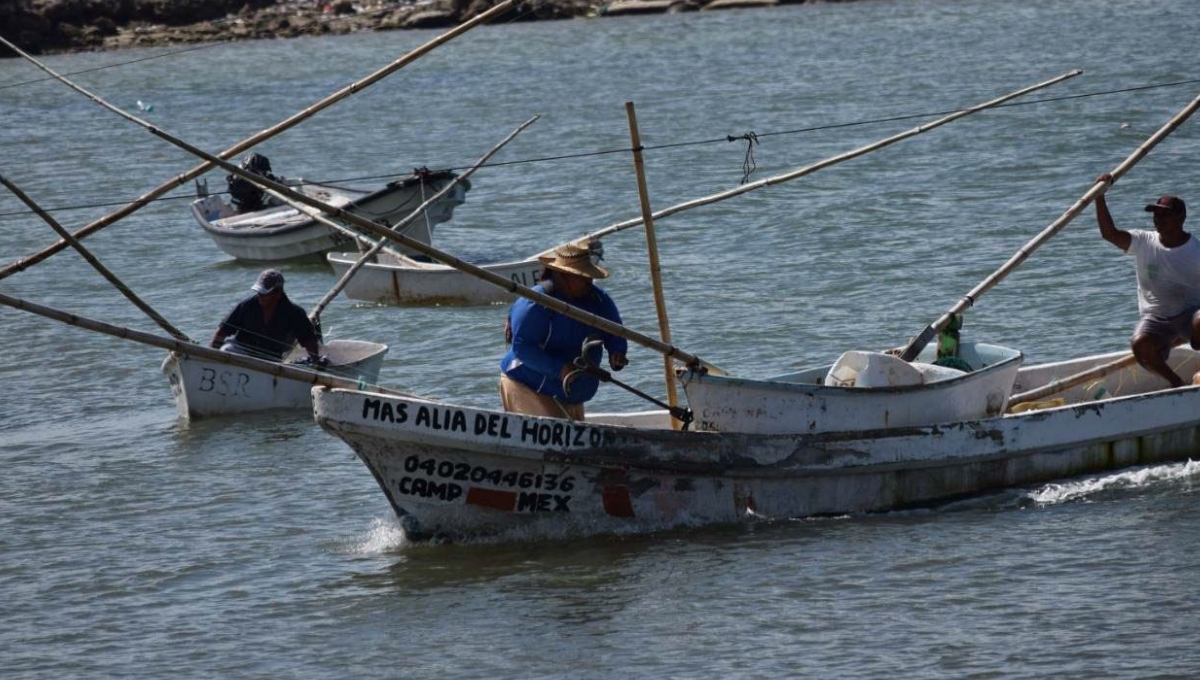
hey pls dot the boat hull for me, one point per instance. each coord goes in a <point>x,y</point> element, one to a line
<point>779,406</point>
<point>285,233</point>
<point>458,472</point>
<point>427,284</point>
<point>208,388</point>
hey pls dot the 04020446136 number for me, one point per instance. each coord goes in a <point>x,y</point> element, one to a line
<point>463,472</point>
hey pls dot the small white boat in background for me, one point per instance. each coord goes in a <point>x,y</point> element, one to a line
<point>455,471</point>
<point>208,388</point>
<point>393,280</point>
<point>863,391</point>
<point>281,232</point>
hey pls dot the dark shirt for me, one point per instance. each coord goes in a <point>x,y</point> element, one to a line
<point>271,340</point>
<point>544,341</point>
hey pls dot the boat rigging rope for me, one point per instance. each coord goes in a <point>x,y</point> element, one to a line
<point>748,165</point>
<point>624,150</point>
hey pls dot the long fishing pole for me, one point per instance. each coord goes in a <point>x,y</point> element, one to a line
<point>918,343</point>
<point>95,262</point>
<point>513,287</point>
<point>253,140</point>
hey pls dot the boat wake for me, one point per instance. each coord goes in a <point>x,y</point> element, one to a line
<point>1082,489</point>
<point>384,535</point>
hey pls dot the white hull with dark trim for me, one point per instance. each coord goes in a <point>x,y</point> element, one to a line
<point>209,388</point>
<point>799,403</point>
<point>281,232</point>
<point>390,281</point>
<point>457,471</point>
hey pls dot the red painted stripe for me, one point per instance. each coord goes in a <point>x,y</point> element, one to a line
<point>617,501</point>
<point>491,498</point>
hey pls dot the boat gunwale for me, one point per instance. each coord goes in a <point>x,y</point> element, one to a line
<point>259,232</point>
<point>688,376</point>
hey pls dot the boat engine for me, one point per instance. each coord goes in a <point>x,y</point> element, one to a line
<point>245,195</point>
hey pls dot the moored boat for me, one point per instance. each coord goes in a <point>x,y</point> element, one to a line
<point>282,232</point>
<point>205,388</point>
<point>455,471</point>
<point>818,400</point>
<point>392,280</point>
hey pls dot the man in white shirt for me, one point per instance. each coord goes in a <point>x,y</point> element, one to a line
<point>1168,276</point>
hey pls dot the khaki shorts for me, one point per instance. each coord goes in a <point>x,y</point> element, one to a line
<point>1167,331</point>
<point>517,398</point>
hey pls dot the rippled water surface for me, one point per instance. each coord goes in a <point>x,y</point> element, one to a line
<point>133,544</point>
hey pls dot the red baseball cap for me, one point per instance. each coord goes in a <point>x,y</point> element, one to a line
<point>1169,205</point>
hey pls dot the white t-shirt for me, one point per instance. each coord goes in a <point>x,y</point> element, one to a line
<point>1168,278</point>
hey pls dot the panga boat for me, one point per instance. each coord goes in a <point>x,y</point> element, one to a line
<point>208,388</point>
<point>862,391</point>
<point>396,280</point>
<point>457,471</point>
<point>281,232</point>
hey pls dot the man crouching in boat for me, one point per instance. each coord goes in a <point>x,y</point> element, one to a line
<point>267,324</point>
<point>1168,276</point>
<point>545,343</point>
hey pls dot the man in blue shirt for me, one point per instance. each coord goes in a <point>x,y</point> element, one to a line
<point>545,343</point>
<point>267,324</point>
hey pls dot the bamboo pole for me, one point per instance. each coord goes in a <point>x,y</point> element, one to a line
<point>366,225</point>
<point>253,140</point>
<point>660,305</point>
<point>399,226</point>
<point>918,343</point>
<point>1064,384</point>
<point>189,348</point>
<point>96,264</point>
<point>809,169</point>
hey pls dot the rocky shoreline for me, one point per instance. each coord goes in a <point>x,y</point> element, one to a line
<point>51,26</point>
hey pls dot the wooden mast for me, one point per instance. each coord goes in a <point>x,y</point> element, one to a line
<point>660,305</point>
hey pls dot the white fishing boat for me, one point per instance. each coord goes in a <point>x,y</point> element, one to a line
<point>282,232</point>
<point>862,391</point>
<point>455,471</point>
<point>205,388</point>
<point>404,280</point>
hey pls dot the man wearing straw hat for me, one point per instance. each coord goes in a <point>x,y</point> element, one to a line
<point>545,343</point>
<point>267,324</point>
<point>1168,276</point>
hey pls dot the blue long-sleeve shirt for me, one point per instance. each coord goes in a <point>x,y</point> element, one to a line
<point>544,341</point>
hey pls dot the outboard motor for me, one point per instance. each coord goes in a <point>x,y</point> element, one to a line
<point>246,196</point>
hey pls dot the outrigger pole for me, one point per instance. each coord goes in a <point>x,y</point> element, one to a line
<point>809,169</point>
<point>692,361</point>
<point>366,225</point>
<point>251,141</point>
<point>918,343</point>
<point>96,264</point>
<point>315,315</point>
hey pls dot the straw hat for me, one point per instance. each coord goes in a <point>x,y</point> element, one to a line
<point>574,258</point>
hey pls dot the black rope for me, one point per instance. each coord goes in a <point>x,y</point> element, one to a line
<point>673,145</point>
<point>748,164</point>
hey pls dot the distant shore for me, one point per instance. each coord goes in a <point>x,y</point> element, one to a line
<point>56,26</point>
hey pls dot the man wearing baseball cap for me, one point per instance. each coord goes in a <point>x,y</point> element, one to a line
<point>1168,276</point>
<point>267,324</point>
